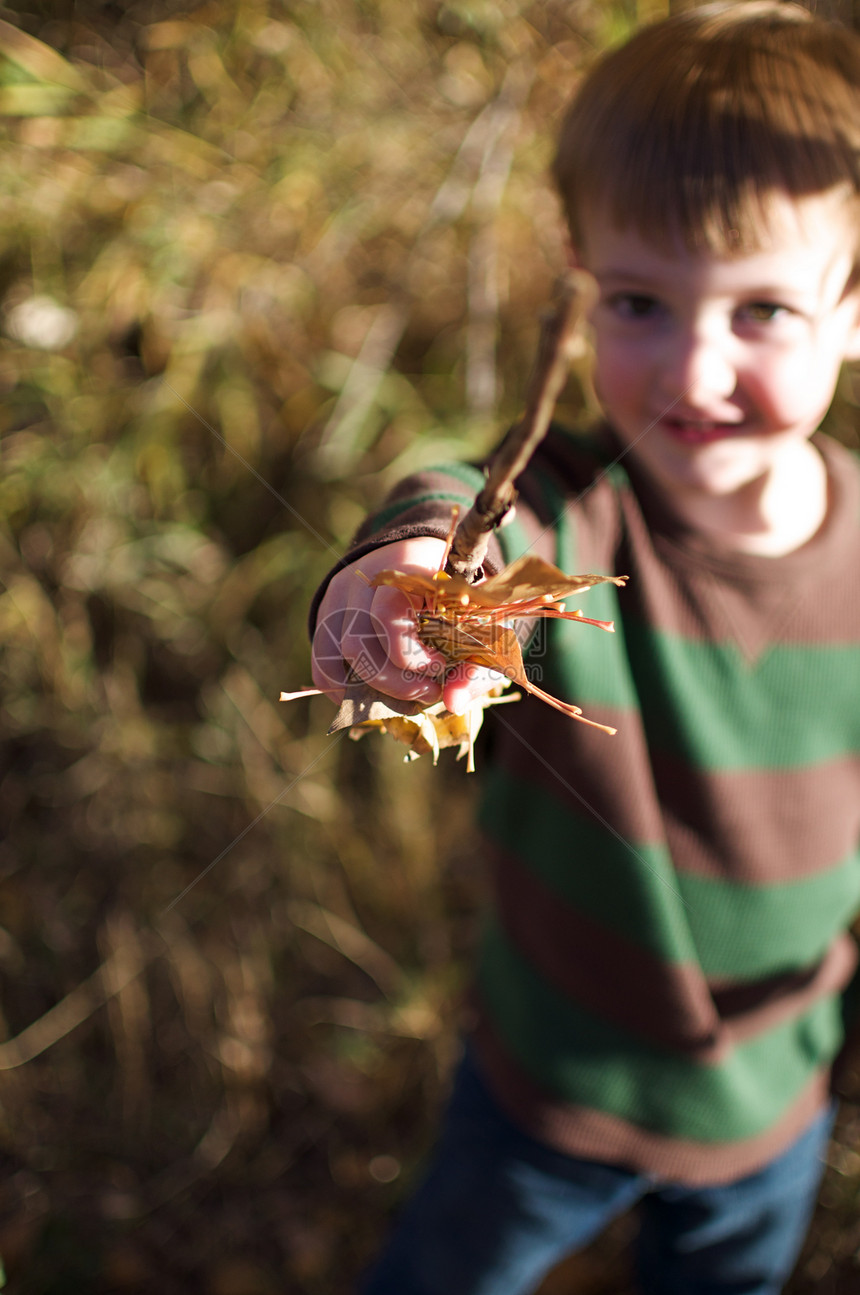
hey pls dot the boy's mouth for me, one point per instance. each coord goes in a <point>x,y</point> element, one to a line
<point>700,431</point>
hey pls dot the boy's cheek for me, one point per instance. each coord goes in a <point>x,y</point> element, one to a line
<point>614,359</point>
<point>618,385</point>
<point>784,394</point>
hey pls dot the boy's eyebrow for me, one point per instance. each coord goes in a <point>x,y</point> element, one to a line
<point>637,276</point>
<point>627,276</point>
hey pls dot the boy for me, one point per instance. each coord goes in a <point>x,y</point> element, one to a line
<point>658,998</point>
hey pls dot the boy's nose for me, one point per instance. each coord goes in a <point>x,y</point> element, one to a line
<point>700,368</point>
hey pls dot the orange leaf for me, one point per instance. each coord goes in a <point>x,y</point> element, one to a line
<point>471,623</point>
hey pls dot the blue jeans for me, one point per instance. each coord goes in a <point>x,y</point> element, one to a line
<point>497,1210</point>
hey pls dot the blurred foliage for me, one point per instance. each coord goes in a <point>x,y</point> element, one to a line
<point>257,259</point>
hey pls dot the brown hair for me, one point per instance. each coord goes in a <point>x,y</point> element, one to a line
<point>687,127</point>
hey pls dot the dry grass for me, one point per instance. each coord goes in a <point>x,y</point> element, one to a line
<point>256,260</point>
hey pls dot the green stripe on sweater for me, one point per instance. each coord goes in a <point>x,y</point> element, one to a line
<point>586,665</point>
<point>721,712</point>
<point>514,541</point>
<point>702,702</point>
<point>747,932</point>
<point>459,474</point>
<point>513,538</point>
<point>390,514</point>
<point>597,1064</point>
<point>466,473</point>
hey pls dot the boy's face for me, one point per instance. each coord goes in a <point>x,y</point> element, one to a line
<point>713,366</point>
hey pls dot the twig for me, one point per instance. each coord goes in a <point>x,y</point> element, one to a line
<point>573,295</point>
<point>557,343</point>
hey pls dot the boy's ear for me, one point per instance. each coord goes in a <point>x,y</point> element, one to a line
<point>852,350</point>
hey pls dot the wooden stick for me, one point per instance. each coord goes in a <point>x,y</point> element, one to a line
<point>573,296</point>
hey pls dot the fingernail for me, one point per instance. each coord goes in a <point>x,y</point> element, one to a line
<point>461,704</point>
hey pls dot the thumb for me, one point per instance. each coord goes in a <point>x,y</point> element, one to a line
<point>465,683</point>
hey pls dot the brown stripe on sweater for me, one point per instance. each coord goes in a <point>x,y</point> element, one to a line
<point>605,973</point>
<point>596,1135</point>
<point>758,826</point>
<point>593,765</point>
<point>672,594</point>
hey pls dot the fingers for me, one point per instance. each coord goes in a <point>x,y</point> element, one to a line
<point>346,601</point>
<point>467,682</point>
<point>381,645</point>
<point>372,632</point>
<point>403,665</point>
<point>327,665</point>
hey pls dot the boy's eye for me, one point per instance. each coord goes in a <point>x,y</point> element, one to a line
<point>763,312</point>
<point>634,305</point>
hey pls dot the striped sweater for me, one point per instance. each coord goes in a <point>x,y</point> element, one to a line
<point>661,974</point>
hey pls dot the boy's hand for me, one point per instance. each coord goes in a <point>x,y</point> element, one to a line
<point>372,631</point>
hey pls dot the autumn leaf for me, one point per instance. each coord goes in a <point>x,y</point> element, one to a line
<point>431,730</point>
<point>471,623</point>
<point>468,624</point>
